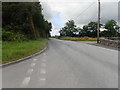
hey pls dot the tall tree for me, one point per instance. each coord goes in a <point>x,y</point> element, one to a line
<point>111,27</point>
<point>69,30</point>
<point>90,29</point>
<point>25,18</point>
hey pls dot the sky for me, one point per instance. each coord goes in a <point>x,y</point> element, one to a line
<point>58,12</point>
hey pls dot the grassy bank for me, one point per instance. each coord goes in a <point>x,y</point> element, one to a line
<point>0,52</point>
<point>78,38</point>
<point>14,50</point>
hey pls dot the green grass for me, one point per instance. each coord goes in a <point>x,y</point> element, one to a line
<point>0,52</point>
<point>78,38</point>
<point>14,50</point>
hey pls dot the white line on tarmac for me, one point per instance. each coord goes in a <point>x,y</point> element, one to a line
<point>43,71</point>
<point>33,64</point>
<point>29,71</point>
<point>35,59</point>
<point>44,60</point>
<point>44,54</point>
<point>43,79</point>
<point>43,64</point>
<point>25,82</point>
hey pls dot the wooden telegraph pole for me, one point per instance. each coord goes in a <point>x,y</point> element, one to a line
<point>98,28</point>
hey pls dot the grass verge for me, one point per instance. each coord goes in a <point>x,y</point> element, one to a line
<point>14,50</point>
<point>0,52</point>
<point>78,38</point>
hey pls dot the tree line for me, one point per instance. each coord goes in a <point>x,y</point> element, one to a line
<point>24,21</point>
<point>110,29</point>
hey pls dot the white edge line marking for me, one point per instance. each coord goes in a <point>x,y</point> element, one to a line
<point>25,82</point>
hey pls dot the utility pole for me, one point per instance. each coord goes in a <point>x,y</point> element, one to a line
<point>98,28</point>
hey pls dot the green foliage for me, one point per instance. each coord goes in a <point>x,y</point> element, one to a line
<point>90,29</point>
<point>111,29</point>
<point>0,35</point>
<point>77,38</point>
<point>25,18</point>
<point>11,36</point>
<point>69,30</point>
<point>0,52</point>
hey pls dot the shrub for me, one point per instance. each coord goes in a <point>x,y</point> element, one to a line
<point>11,36</point>
<point>79,38</point>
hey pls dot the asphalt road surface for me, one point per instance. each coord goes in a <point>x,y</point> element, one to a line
<point>65,64</point>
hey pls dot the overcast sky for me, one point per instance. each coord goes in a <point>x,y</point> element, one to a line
<point>81,11</point>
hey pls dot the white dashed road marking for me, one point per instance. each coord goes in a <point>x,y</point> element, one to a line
<point>33,64</point>
<point>35,59</point>
<point>44,60</point>
<point>43,71</point>
<point>45,54</point>
<point>25,82</point>
<point>42,79</point>
<point>29,71</point>
<point>43,64</point>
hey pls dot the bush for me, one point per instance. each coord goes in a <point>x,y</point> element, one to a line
<point>79,38</point>
<point>11,36</point>
<point>0,34</point>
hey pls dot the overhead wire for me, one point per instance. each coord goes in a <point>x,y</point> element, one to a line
<point>85,10</point>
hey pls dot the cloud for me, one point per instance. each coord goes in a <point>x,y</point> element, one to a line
<point>47,11</point>
<point>109,10</point>
<point>60,11</point>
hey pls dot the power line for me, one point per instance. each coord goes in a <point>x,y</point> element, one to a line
<point>85,9</point>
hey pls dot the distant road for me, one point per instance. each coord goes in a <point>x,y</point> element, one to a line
<point>66,64</point>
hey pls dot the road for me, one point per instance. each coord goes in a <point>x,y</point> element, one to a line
<point>65,64</point>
